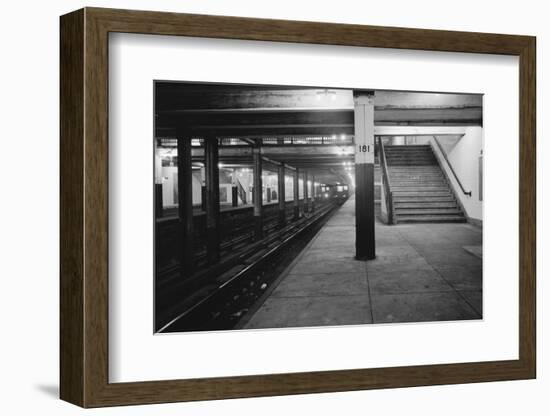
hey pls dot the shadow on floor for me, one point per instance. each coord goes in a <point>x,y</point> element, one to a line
<point>51,390</point>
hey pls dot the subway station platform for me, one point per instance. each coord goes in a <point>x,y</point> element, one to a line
<point>422,272</point>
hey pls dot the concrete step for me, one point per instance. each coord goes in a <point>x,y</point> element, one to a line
<point>423,167</point>
<point>406,162</point>
<point>422,205</point>
<point>417,177</point>
<point>407,174</point>
<point>419,194</point>
<point>419,167</point>
<point>429,218</point>
<point>395,171</point>
<point>411,146</point>
<point>428,211</point>
<point>409,152</point>
<point>420,188</point>
<point>417,186</point>
<point>404,182</point>
<point>389,149</point>
<point>410,156</point>
<point>410,163</point>
<point>409,159</point>
<point>419,199</point>
<point>414,162</point>
<point>413,182</point>
<point>414,169</point>
<point>412,179</point>
<point>416,174</point>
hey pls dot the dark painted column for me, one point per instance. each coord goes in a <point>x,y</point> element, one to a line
<point>234,196</point>
<point>234,190</point>
<point>257,196</point>
<point>296,192</point>
<point>212,180</point>
<point>281,192</point>
<point>158,200</point>
<point>185,205</point>
<point>313,193</point>
<point>203,197</point>
<point>364,175</point>
<point>306,192</point>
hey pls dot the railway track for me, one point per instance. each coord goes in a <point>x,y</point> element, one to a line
<point>234,238</point>
<point>232,289</point>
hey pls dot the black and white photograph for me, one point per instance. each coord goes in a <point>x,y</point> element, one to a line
<point>275,208</point>
<point>298,206</point>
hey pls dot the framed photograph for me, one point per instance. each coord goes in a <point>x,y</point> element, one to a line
<point>256,207</point>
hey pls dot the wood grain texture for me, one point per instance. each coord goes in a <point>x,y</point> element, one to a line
<point>71,208</point>
<point>84,207</point>
<point>527,207</point>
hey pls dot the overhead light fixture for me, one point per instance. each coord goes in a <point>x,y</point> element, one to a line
<point>326,93</point>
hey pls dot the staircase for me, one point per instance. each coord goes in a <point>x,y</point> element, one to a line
<point>241,192</point>
<point>419,188</point>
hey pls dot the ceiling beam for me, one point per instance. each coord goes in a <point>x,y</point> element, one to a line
<point>238,97</point>
<point>419,130</point>
<point>282,151</point>
<point>304,123</point>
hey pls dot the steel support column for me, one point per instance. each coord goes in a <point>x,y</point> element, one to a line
<point>185,205</point>
<point>212,180</point>
<point>257,196</point>
<point>306,192</point>
<point>313,193</point>
<point>234,190</point>
<point>281,192</point>
<point>296,192</point>
<point>364,175</point>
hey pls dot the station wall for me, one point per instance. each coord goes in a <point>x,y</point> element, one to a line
<point>464,155</point>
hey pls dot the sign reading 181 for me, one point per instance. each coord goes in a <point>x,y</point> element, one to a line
<point>364,148</point>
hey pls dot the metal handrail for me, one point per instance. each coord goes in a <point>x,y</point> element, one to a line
<point>469,193</point>
<point>386,181</point>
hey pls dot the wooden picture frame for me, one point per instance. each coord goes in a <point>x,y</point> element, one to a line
<point>84,207</point>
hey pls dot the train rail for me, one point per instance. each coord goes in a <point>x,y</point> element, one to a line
<point>237,231</point>
<point>231,290</point>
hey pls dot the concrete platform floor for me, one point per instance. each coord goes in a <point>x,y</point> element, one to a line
<point>422,272</point>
